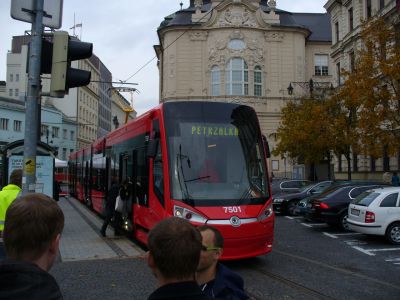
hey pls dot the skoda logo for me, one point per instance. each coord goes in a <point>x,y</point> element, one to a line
<point>235,221</point>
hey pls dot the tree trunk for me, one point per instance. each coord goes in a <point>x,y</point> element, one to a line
<point>348,158</point>
<point>329,166</point>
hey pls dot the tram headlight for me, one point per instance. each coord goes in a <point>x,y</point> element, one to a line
<point>266,213</point>
<point>188,214</point>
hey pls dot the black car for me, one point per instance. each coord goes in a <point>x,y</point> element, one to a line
<point>332,205</point>
<point>285,203</point>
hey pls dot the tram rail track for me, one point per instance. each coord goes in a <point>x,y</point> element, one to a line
<point>301,288</point>
<point>306,291</point>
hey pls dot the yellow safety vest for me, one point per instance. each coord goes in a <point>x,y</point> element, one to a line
<point>7,196</point>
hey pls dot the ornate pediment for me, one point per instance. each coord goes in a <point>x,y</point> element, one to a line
<point>236,16</point>
<point>233,46</point>
<point>236,13</point>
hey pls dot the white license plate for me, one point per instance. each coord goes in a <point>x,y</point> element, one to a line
<point>355,212</point>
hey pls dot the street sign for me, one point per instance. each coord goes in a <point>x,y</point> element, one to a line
<point>23,10</point>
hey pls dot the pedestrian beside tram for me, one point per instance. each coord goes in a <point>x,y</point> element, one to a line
<point>32,232</point>
<point>109,212</point>
<point>121,213</point>
<point>215,279</point>
<point>174,252</point>
<point>7,195</point>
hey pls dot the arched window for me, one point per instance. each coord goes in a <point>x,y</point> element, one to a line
<point>215,81</point>
<point>237,77</point>
<point>257,81</point>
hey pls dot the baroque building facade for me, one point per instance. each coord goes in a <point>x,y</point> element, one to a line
<point>248,52</point>
<point>347,17</point>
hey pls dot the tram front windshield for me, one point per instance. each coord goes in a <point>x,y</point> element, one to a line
<point>215,154</point>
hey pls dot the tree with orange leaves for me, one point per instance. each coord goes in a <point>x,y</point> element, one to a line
<point>374,84</point>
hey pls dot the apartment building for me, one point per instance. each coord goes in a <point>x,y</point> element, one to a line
<point>89,106</point>
<point>346,20</point>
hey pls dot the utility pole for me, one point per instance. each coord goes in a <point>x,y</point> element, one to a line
<point>32,101</point>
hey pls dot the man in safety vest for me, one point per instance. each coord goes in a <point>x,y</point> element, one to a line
<point>7,196</point>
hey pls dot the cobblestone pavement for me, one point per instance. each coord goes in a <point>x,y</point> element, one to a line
<point>81,239</point>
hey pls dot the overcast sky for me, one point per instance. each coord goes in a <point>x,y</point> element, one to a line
<point>123,33</point>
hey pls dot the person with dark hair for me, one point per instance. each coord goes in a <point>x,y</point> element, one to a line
<point>7,196</point>
<point>109,212</point>
<point>215,279</point>
<point>174,252</point>
<point>32,232</point>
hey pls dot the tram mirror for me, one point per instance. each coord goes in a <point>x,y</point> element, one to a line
<point>266,146</point>
<point>152,148</point>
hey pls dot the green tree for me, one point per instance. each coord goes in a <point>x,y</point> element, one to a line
<point>304,132</point>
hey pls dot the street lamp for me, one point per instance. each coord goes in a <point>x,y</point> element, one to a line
<point>290,89</point>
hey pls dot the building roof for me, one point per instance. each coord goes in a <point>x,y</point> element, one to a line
<point>19,105</point>
<point>317,23</point>
<point>10,103</point>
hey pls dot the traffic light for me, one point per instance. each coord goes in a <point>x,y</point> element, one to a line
<point>63,77</point>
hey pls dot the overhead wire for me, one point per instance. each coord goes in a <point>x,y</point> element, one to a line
<point>174,41</point>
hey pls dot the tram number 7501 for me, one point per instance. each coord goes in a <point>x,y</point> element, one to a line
<point>232,209</point>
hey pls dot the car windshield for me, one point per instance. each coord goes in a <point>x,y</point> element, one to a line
<point>307,187</point>
<point>366,198</point>
<point>215,153</point>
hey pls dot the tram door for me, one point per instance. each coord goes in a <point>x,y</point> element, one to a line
<point>143,213</point>
<point>86,182</point>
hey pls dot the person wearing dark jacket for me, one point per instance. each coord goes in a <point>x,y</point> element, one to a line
<point>109,211</point>
<point>215,279</point>
<point>174,252</point>
<point>32,232</point>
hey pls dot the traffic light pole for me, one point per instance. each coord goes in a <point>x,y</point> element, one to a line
<point>32,102</point>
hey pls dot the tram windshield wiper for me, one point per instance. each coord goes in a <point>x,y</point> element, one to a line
<point>198,178</point>
<point>186,197</point>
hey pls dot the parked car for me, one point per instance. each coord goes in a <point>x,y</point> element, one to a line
<point>331,206</point>
<point>286,203</point>
<point>288,185</point>
<point>301,207</point>
<point>377,212</point>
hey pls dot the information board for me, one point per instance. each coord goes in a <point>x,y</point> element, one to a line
<point>44,172</point>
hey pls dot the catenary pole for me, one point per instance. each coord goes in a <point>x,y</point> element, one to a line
<point>32,101</point>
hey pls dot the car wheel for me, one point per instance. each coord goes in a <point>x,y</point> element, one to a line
<point>343,221</point>
<point>291,207</point>
<point>393,233</point>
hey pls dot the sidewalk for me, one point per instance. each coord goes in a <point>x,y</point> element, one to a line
<point>81,239</point>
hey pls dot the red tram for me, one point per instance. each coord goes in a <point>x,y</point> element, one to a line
<point>202,161</point>
<point>61,176</point>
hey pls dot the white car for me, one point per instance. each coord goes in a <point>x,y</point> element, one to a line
<point>377,212</point>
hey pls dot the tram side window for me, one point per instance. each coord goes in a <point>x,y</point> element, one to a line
<point>99,179</point>
<point>158,177</point>
<point>142,177</point>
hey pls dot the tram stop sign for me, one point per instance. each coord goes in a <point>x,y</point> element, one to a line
<point>52,17</point>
